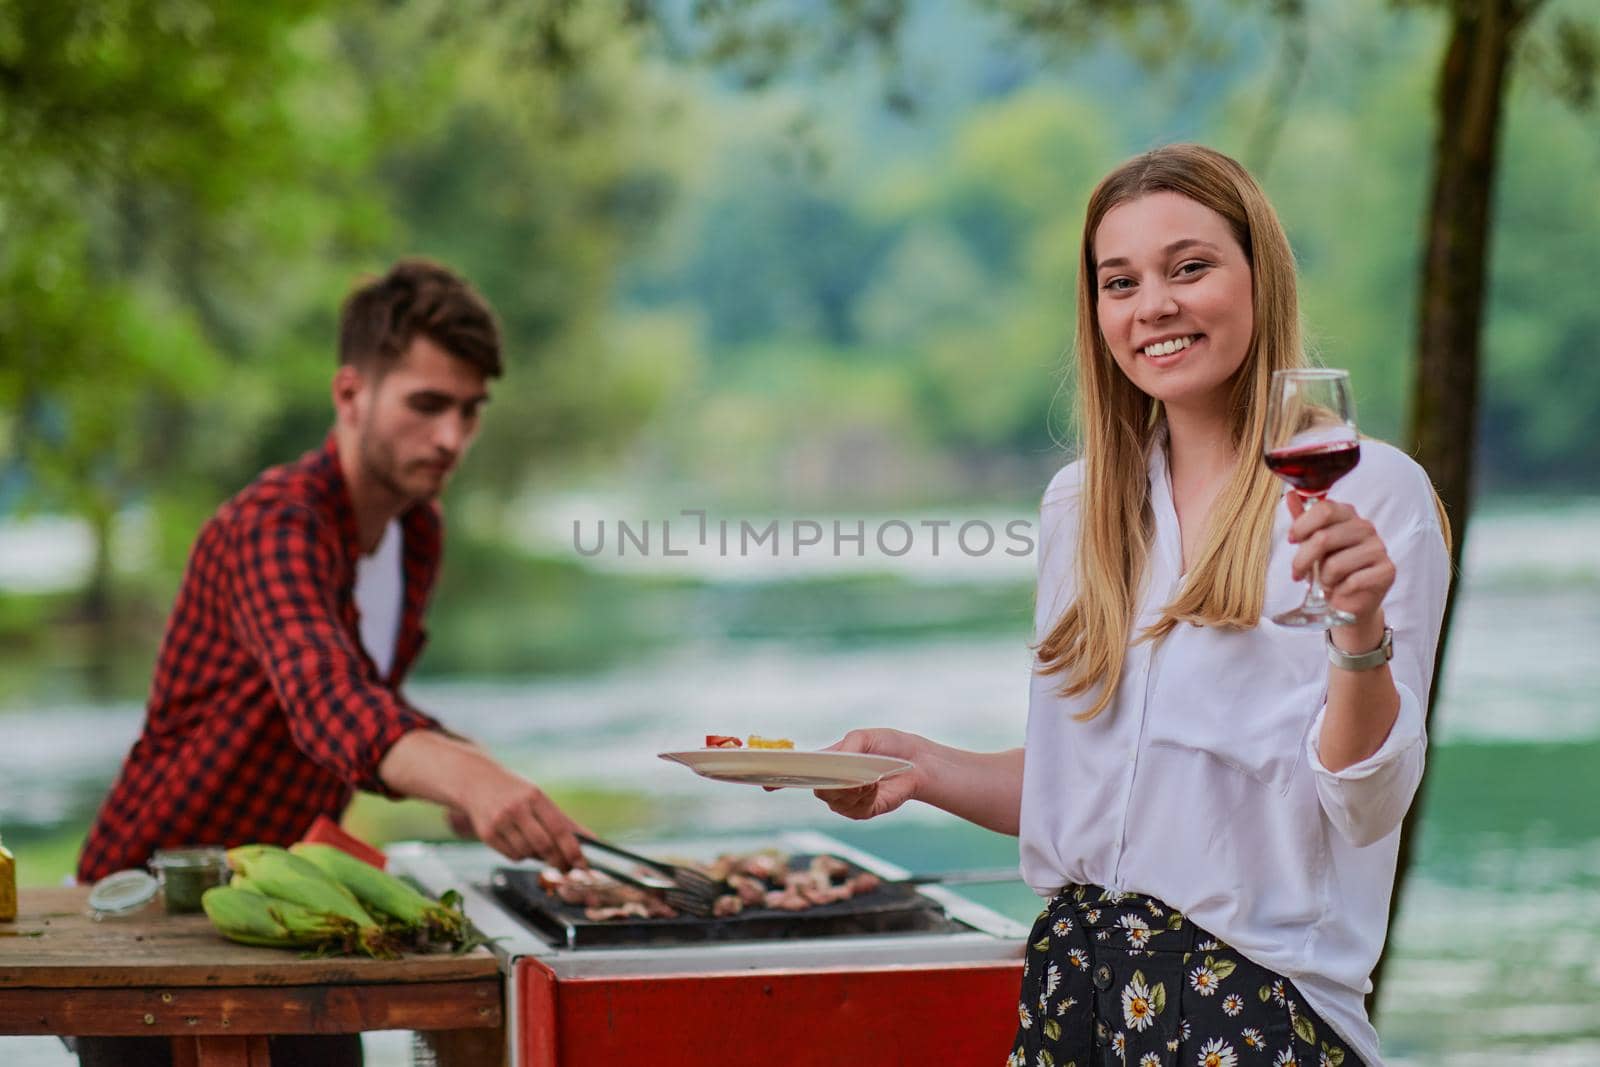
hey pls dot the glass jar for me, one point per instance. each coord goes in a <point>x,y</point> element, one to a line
<point>186,873</point>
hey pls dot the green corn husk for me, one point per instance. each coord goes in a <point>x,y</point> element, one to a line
<point>245,885</point>
<point>279,874</point>
<point>383,893</point>
<point>288,878</point>
<point>246,918</point>
<point>256,919</point>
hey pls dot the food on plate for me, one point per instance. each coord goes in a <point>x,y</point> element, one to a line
<point>723,741</point>
<point>757,741</point>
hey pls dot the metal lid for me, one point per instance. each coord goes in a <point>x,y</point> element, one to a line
<point>121,892</point>
<point>200,857</point>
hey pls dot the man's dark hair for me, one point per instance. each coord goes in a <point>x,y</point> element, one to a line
<point>381,318</point>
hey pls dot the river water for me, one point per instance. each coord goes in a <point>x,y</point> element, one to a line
<point>1495,957</point>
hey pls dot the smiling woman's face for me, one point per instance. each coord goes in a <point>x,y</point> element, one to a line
<point>1173,298</point>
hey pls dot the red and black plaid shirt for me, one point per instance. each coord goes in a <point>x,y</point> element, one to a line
<point>266,711</point>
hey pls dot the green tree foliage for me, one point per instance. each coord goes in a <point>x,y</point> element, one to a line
<point>189,189</point>
<point>156,169</point>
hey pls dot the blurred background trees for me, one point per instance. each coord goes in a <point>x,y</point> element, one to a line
<point>771,254</point>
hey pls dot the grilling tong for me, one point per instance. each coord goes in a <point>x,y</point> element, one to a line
<point>694,892</point>
<point>685,888</point>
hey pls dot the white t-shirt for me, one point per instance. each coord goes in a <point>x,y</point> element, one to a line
<point>1200,784</point>
<point>380,586</point>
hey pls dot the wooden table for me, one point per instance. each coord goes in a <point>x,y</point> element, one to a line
<point>61,972</point>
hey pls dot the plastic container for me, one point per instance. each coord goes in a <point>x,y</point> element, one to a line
<point>122,893</point>
<point>186,873</point>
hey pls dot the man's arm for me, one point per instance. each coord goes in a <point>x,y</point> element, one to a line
<point>507,812</point>
<point>284,612</point>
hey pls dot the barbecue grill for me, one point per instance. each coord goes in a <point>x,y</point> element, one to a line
<point>904,974</point>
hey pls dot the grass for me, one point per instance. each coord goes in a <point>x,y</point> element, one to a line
<point>46,859</point>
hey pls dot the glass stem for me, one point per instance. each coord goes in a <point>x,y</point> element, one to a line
<point>1314,595</point>
<point>1315,598</point>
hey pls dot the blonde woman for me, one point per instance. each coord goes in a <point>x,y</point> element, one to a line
<point>1210,803</point>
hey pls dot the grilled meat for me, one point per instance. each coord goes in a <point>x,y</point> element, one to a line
<point>755,880</point>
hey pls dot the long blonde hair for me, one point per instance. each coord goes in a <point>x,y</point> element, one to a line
<point>1117,424</point>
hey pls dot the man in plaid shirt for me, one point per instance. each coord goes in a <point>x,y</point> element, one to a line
<point>268,708</point>
<point>277,689</point>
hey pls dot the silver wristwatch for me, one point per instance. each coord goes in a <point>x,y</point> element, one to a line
<point>1362,661</point>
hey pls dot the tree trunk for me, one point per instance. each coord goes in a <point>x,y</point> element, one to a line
<point>1473,80</point>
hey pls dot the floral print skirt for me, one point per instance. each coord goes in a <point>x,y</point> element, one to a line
<point>1122,980</point>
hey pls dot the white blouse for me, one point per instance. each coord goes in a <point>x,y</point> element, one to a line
<point>1200,784</point>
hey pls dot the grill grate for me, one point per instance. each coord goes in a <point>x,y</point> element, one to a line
<point>891,908</point>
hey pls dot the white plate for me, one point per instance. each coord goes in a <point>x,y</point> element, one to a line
<point>787,767</point>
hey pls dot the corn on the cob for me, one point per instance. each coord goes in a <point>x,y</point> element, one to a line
<point>280,874</point>
<point>376,890</point>
<point>256,919</point>
<point>288,877</point>
<point>244,917</point>
<point>383,893</point>
<point>326,931</point>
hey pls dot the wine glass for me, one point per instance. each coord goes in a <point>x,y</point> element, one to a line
<point>1311,443</point>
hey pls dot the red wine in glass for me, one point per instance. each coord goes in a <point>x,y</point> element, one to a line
<point>1313,469</point>
<point>1311,443</point>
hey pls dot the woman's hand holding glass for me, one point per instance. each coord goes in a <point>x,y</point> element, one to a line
<point>1347,555</point>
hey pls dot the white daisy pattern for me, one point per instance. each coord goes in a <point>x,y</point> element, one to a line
<point>1135,929</point>
<point>1138,1005</point>
<point>1204,980</point>
<point>1232,1004</point>
<point>1217,1053</point>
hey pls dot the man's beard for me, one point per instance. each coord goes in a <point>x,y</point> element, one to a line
<point>379,463</point>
